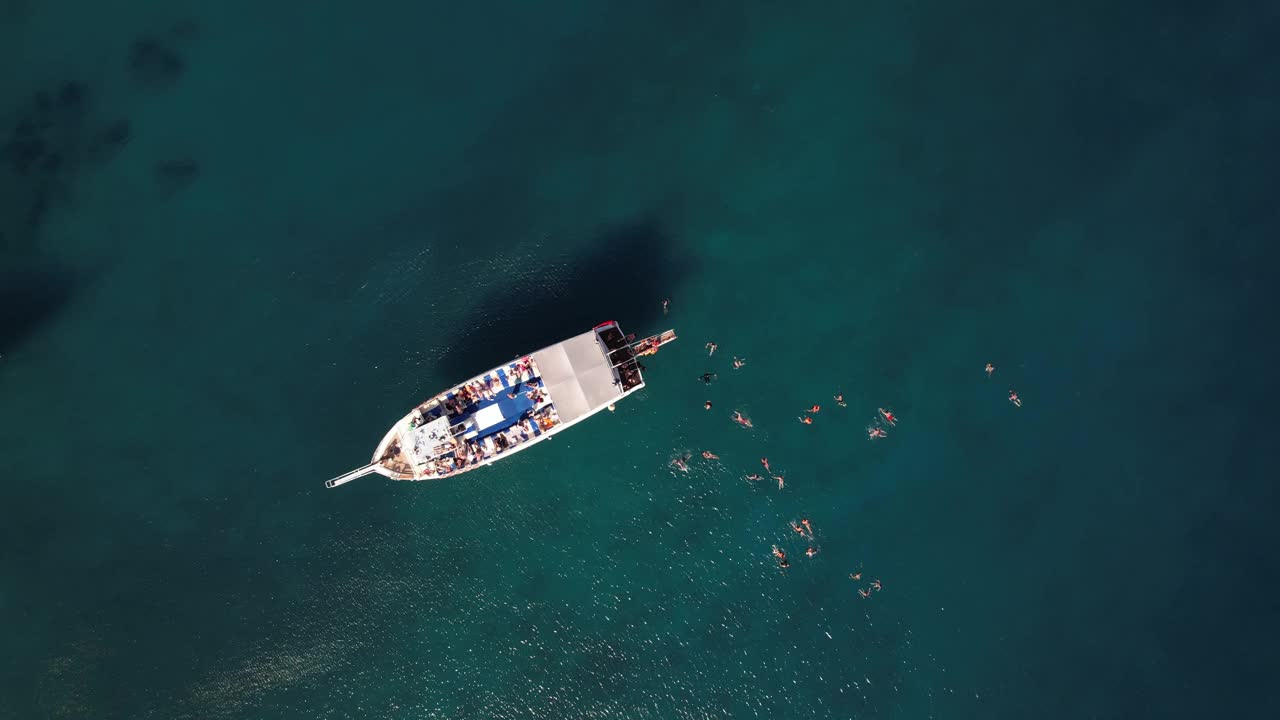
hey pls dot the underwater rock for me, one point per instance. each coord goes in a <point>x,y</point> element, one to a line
<point>152,64</point>
<point>24,153</point>
<point>108,141</point>
<point>115,134</point>
<point>39,208</point>
<point>176,174</point>
<point>185,30</point>
<point>32,294</point>
<point>72,96</point>
<point>52,163</point>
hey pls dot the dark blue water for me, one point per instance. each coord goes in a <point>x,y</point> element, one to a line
<point>237,243</point>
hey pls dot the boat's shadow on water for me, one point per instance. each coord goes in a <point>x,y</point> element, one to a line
<point>625,277</point>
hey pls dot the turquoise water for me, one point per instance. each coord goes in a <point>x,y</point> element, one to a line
<point>270,231</point>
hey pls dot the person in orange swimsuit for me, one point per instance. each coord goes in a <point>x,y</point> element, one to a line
<point>815,408</point>
<point>888,417</point>
<point>806,419</point>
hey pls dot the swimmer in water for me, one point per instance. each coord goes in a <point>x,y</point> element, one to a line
<point>888,417</point>
<point>806,419</point>
<point>864,593</point>
<point>990,369</point>
<point>855,576</point>
<point>754,477</point>
<point>741,419</point>
<point>711,349</point>
<point>839,398</point>
<point>707,405</point>
<point>706,378</point>
<point>682,463</point>
<point>811,552</point>
<point>708,455</point>
<point>797,528</point>
<point>875,585</point>
<point>807,526</point>
<point>781,482</point>
<point>765,462</point>
<point>1013,398</point>
<point>814,409</point>
<point>778,553</point>
<point>738,363</point>
<point>666,305</point>
<point>875,433</point>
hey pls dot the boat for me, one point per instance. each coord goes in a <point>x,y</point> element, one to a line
<point>512,407</point>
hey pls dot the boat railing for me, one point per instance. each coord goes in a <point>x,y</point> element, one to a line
<point>360,472</point>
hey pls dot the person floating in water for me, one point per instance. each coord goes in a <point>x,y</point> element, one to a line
<point>875,585</point>
<point>780,480</point>
<point>707,377</point>
<point>839,398</point>
<point>806,419</point>
<point>707,405</point>
<point>876,433</point>
<point>815,409</point>
<point>681,463</point>
<point>811,552</point>
<point>807,526</point>
<point>990,369</point>
<point>765,462</point>
<point>797,528</point>
<point>888,417</point>
<point>864,593</point>
<point>708,455</point>
<point>855,576</point>
<point>754,477</point>
<point>782,557</point>
<point>666,306</point>
<point>738,363</point>
<point>711,349</point>
<point>741,419</point>
<point>1013,398</point>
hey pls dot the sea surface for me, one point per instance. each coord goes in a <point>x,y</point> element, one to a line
<point>239,239</point>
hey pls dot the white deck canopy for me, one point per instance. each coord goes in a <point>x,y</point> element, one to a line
<point>578,376</point>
